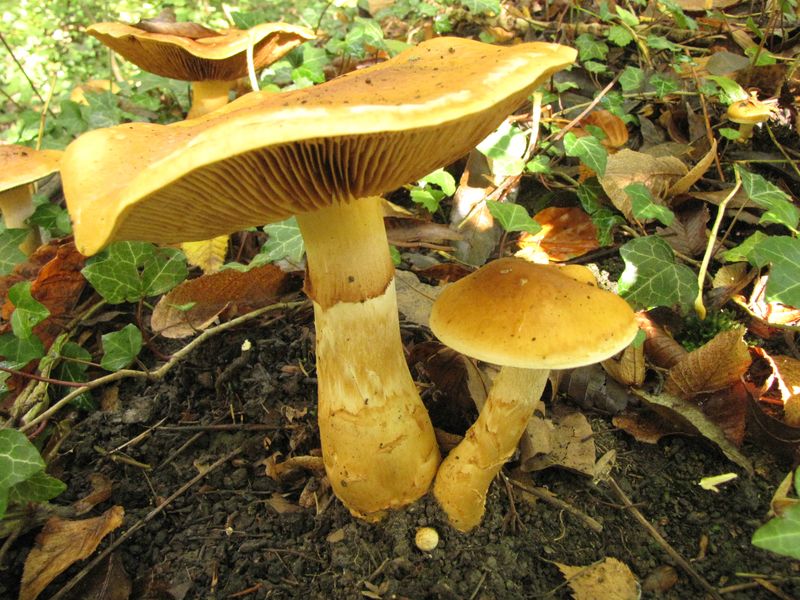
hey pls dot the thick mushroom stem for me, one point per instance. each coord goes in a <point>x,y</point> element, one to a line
<point>16,206</point>
<point>378,443</point>
<point>207,96</point>
<point>465,474</point>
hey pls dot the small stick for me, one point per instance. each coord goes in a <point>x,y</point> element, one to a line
<point>220,427</point>
<point>141,523</point>
<point>591,523</point>
<point>684,564</point>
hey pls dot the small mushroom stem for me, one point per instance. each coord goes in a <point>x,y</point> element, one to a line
<point>16,205</point>
<point>465,474</point>
<point>207,96</point>
<point>745,132</point>
<point>378,444</point>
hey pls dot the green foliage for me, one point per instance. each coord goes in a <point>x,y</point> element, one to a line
<point>28,312</point>
<point>697,331</point>
<point>778,206</point>
<point>588,150</point>
<point>782,533</point>
<point>72,367</point>
<point>643,206</point>
<point>120,348</point>
<point>432,189</point>
<point>22,476</point>
<point>512,217</point>
<point>506,146</point>
<point>130,271</point>
<point>284,241</point>
<point>782,254</point>
<point>604,219</point>
<point>653,278</point>
<point>10,254</point>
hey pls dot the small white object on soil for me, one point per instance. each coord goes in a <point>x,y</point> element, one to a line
<point>427,539</point>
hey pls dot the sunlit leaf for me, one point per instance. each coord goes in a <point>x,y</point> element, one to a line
<point>120,348</point>
<point>28,312</point>
<point>512,217</point>
<point>781,534</point>
<point>782,253</point>
<point>778,206</point>
<point>588,149</point>
<point>18,352</point>
<point>19,460</point>
<point>643,206</point>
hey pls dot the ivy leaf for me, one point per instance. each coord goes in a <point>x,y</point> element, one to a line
<point>779,208</point>
<point>643,207</point>
<point>632,79</point>
<point>505,146</point>
<point>782,253</point>
<point>10,254</point>
<point>663,84</point>
<point>72,367</point>
<point>781,534</point>
<point>627,17</point>
<point>37,488</point>
<point>443,179</point>
<point>19,460</point>
<point>53,218</point>
<point>605,221</point>
<point>590,48</point>
<point>285,241</point>
<point>364,32</point>
<point>28,312</point>
<point>121,347</point>
<point>588,150</point>
<point>618,35</point>
<point>431,197</point>
<point>742,252</point>
<point>130,271</point>
<point>18,352</point>
<point>651,276</point>
<point>482,6</point>
<point>512,217</point>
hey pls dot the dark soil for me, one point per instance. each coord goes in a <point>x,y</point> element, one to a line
<point>238,533</point>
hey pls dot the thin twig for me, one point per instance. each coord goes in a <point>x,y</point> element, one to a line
<point>159,373</point>
<point>141,523</point>
<point>591,523</point>
<point>22,70</point>
<point>684,564</point>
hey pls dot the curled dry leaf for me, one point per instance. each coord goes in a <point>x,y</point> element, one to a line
<point>661,348</point>
<point>593,388</point>
<point>728,281</point>
<point>625,167</point>
<point>766,313</point>
<point>410,232</point>
<point>629,367</point>
<point>62,543</point>
<point>696,172</point>
<point>646,427</point>
<point>237,292</point>
<point>613,127</point>
<point>784,385</point>
<point>610,578</point>
<point>566,233</point>
<point>716,365</point>
<point>687,233</point>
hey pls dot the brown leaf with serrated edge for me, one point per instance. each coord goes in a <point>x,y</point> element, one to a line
<point>687,233</point>
<point>234,291</point>
<point>610,579</point>
<point>572,446</point>
<point>566,233</point>
<point>717,364</point>
<point>62,543</point>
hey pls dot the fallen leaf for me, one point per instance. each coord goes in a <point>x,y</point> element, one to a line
<point>770,313</point>
<point>281,505</point>
<point>410,232</point>
<point>592,387</point>
<point>62,543</point>
<point>610,579</point>
<point>566,233</point>
<point>695,173</point>
<point>572,446</point>
<point>209,255</point>
<point>660,579</point>
<point>785,385</point>
<point>717,364</point>
<point>625,167</point>
<point>414,298</point>
<point>101,491</point>
<point>687,233</point>
<point>209,295</point>
<point>645,427</point>
<point>711,483</point>
<point>107,581</point>
<point>613,127</point>
<point>661,348</point>
<point>629,368</point>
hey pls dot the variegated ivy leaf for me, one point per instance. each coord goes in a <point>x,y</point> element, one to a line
<point>777,205</point>
<point>284,241</point>
<point>512,217</point>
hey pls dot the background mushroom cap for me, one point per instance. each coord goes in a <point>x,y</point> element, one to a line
<point>20,165</point>
<point>267,156</point>
<point>221,57</point>
<point>519,314</point>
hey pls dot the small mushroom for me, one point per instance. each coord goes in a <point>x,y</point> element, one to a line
<point>20,166</point>
<point>527,318</point>
<point>324,154</point>
<point>746,113</point>
<point>212,63</point>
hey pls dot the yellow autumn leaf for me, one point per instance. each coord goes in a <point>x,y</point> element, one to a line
<point>209,255</point>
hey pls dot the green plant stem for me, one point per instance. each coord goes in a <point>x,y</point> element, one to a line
<point>699,307</point>
<point>159,373</point>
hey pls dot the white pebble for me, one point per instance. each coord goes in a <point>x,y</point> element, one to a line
<point>427,538</point>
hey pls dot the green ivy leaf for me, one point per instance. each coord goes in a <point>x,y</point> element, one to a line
<point>733,92</point>
<point>130,271</point>
<point>37,488</point>
<point>121,347</point>
<point>594,66</point>
<point>588,150</point>
<point>480,7</point>
<point>742,252</point>
<point>651,276</point>
<point>505,146</point>
<point>663,84</point>
<point>19,460</point>
<point>659,42</point>
<point>18,352</point>
<point>782,253</point>
<point>627,17</point>
<point>443,179</point>
<point>778,206</point>
<point>781,534</point>
<point>539,164</point>
<point>619,35</point>
<point>643,207</point>
<point>632,79</point>
<point>72,367</point>
<point>28,312</point>
<point>285,241</point>
<point>364,32</point>
<point>590,48</point>
<point>512,217</point>
<point>605,220</point>
<point>52,218</point>
<point>10,254</point>
<point>682,20</point>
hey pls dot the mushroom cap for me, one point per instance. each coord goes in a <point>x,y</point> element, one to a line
<point>267,156</point>
<point>519,314</point>
<point>220,57</point>
<point>20,165</point>
<point>749,111</point>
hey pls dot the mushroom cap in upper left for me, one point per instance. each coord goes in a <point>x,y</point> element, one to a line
<point>220,57</point>
<point>20,165</point>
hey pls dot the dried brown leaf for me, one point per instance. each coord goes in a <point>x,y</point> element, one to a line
<point>62,543</point>
<point>660,347</point>
<point>645,427</point>
<point>629,367</point>
<point>566,233</point>
<point>238,292</point>
<point>787,382</point>
<point>414,298</point>
<point>717,364</point>
<point>615,129</point>
<point>101,491</point>
<point>209,255</point>
<point>107,581</point>
<point>696,172</point>
<point>610,579</point>
<point>410,232</point>
<point>572,446</point>
<point>687,233</point>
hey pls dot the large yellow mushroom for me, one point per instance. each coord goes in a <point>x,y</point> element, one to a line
<point>324,154</point>
<point>528,318</point>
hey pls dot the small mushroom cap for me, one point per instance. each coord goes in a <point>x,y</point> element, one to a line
<point>221,57</point>
<point>267,156</point>
<point>20,165</point>
<point>520,314</point>
<point>749,111</point>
